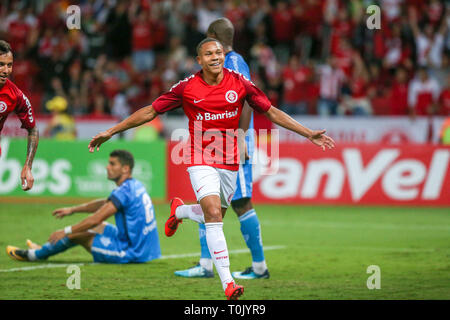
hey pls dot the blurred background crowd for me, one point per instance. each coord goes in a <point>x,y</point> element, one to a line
<point>309,56</point>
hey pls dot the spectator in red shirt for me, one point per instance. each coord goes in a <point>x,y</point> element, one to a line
<point>296,79</point>
<point>423,94</point>
<point>396,52</point>
<point>143,53</point>
<point>283,23</point>
<point>430,43</point>
<point>17,31</point>
<point>391,10</point>
<point>341,27</point>
<point>346,56</point>
<point>398,97</point>
<point>308,24</point>
<point>434,10</point>
<point>331,80</point>
<point>356,102</point>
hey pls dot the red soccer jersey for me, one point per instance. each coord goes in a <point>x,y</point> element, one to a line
<point>213,113</point>
<point>12,99</point>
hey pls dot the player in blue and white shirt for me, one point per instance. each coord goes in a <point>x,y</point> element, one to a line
<point>222,29</point>
<point>133,239</point>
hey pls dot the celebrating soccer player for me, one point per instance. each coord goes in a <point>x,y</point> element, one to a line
<point>12,99</point>
<point>222,29</point>
<point>212,99</point>
<point>133,239</point>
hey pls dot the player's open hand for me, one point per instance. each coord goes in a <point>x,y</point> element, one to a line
<point>98,140</point>
<point>62,212</point>
<point>320,139</point>
<point>26,178</point>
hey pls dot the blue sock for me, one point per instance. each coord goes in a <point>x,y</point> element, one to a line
<point>203,245</point>
<point>251,231</point>
<point>49,249</point>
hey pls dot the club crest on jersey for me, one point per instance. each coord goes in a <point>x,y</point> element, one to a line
<point>231,96</point>
<point>3,106</point>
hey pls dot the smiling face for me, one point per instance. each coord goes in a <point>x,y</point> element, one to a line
<point>211,57</point>
<point>6,63</point>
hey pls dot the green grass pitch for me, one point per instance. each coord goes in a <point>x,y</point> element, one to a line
<point>314,253</point>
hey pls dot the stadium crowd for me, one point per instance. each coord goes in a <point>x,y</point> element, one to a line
<point>309,56</point>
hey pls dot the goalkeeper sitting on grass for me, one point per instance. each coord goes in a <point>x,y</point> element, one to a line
<point>133,239</point>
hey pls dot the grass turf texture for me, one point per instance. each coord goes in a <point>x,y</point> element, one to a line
<point>325,256</point>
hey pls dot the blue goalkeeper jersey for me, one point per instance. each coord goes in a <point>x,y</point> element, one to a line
<point>234,61</point>
<point>135,222</point>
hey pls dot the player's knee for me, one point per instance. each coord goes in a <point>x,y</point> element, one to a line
<point>213,214</point>
<point>84,239</point>
<point>241,206</point>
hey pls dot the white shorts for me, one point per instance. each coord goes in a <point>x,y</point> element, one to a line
<point>207,180</point>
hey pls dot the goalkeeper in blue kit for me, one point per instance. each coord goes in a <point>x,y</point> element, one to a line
<point>133,239</point>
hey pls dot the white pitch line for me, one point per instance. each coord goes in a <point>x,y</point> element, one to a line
<point>45,266</point>
<point>172,256</point>
<point>237,251</point>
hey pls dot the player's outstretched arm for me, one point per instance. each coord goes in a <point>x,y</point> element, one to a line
<point>104,212</point>
<point>26,176</point>
<point>87,207</point>
<point>139,117</point>
<point>317,137</point>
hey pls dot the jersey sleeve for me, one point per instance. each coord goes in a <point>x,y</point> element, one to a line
<point>24,111</point>
<point>119,197</point>
<point>255,97</point>
<point>171,99</point>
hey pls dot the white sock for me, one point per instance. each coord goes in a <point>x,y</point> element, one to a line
<point>206,263</point>
<point>217,246</point>
<point>259,267</point>
<point>193,212</point>
<point>32,255</point>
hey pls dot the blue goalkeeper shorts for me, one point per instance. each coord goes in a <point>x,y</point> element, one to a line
<point>106,247</point>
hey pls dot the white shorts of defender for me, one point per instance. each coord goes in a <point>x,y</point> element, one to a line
<point>207,180</point>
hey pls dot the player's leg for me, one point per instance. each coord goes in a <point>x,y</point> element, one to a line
<point>250,226</point>
<point>227,189</point>
<point>215,238</point>
<point>204,268</point>
<point>86,239</point>
<point>208,185</point>
<point>36,252</point>
<point>106,247</point>
<point>197,175</point>
<point>251,232</point>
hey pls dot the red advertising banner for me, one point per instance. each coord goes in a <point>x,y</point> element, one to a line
<point>369,174</point>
